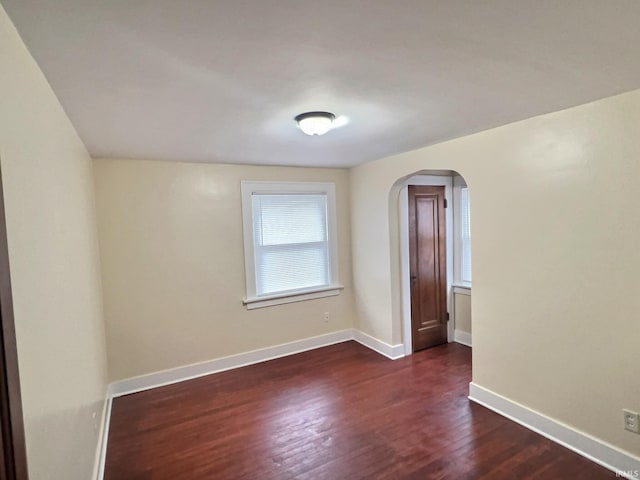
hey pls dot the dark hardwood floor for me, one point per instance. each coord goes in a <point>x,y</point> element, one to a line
<point>339,412</point>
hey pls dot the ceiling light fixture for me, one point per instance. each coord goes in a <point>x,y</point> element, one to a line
<point>315,123</point>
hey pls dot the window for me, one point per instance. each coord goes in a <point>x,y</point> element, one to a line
<point>462,234</point>
<point>465,236</point>
<point>290,242</point>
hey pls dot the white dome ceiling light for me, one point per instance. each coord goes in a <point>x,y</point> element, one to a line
<point>315,123</point>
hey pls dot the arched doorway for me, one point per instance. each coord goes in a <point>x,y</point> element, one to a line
<point>458,256</point>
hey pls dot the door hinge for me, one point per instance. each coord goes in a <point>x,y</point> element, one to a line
<point>446,204</point>
<point>447,316</point>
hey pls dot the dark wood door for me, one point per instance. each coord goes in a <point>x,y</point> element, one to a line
<point>428,269</point>
<point>13,461</point>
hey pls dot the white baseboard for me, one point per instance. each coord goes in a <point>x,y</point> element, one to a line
<point>462,337</point>
<point>187,372</point>
<point>179,374</point>
<point>610,457</point>
<point>103,437</point>
<point>390,351</point>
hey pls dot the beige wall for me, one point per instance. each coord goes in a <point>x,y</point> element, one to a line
<point>556,218</point>
<point>173,265</point>
<point>53,253</point>
<point>462,312</point>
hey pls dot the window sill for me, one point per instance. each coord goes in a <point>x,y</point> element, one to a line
<point>462,288</point>
<point>279,299</point>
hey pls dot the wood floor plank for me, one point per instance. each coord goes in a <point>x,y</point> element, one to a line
<point>339,412</point>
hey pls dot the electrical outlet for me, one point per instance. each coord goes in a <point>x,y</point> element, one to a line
<point>326,317</point>
<point>631,421</point>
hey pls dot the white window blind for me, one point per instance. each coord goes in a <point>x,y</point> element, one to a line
<point>291,244</point>
<point>465,234</point>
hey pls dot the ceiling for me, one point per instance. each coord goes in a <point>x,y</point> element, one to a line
<point>221,80</point>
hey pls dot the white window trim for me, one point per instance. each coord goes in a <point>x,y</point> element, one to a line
<point>252,300</point>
